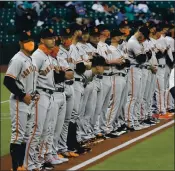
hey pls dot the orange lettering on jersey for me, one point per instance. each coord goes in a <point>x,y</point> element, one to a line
<point>25,73</point>
<point>31,69</point>
<point>27,70</point>
<point>23,76</point>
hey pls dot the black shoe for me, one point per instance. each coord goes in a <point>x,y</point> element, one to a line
<point>48,166</point>
<point>131,129</point>
<point>150,122</point>
<point>111,135</point>
<point>83,150</point>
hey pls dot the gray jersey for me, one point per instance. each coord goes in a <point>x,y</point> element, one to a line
<point>45,67</point>
<point>124,49</point>
<point>134,49</point>
<point>103,50</point>
<point>153,60</point>
<point>116,53</point>
<point>23,70</point>
<point>75,54</point>
<point>83,50</point>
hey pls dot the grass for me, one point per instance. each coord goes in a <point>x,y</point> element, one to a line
<point>5,120</point>
<point>155,153</point>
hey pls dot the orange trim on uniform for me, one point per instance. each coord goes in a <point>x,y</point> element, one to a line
<point>158,85</point>
<point>168,96</point>
<point>112,105</point>
<point>132,86</point>
<point>17,120</point>
<point>36,121</point>
<point>10,75</point>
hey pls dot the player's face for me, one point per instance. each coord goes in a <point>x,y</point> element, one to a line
<point>153,30</point>
<point>100,69</point>
<point>67,41</point>
<point>85,37</point>
<point>116,39</point>
<point>106,33</point>
<point>141,37</point>
<point>49,42</point>
<point>94,39</point>
<point>125,30</point>
<point>165,30</point>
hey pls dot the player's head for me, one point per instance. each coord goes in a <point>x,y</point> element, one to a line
<point>165,27</point>
<point>117,36</point>
<point>98,63</point>
<point>158,31</point>
<point>152,28</point>
<point>85,35</point>
<point>143,33</point>
<point>124,28</point>
<point>104,31</point>
<point>94,35</point>
<point>76,32</point>
<point>47,37</point>
<point>80,68</point>
<point>26,41</point>
<point>66,37</point>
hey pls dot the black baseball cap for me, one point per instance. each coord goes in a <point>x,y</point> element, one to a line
<point>26,36</point>
<point>145,31</point>
<point>124,24</point>
<point>102,27</point>
<point>65,32</point>
<point>94,31</point>
<point>116,32</point>
<point>98,61</point>
<point>47,33</point>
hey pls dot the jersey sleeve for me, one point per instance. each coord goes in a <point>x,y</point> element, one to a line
<point>14,68</point>
<point>134,48</point>
<point>37,60</point>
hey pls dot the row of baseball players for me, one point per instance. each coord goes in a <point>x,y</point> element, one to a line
<point>63,95</point>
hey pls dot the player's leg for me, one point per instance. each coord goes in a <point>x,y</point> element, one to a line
<point>62,144</point>
<point>19,113</point>
<point>107,93</point>
<point>41,109</point>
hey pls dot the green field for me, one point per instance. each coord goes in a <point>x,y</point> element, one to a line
<point>155,153</point>
<point>5,119</point>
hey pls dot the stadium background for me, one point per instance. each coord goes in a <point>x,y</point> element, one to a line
<point>61,15</point>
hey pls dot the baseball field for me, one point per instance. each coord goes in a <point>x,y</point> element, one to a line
<point>148,149</point>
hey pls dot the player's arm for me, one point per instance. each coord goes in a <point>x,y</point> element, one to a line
<point>10,81</point>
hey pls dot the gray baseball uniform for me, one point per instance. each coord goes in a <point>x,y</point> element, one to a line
<point>134,81</point>
<point>45,86</point>
<point>119,80</point>
<point>23,70</point>
<point>63,55</point>
<point>159,98</point>
<point>103,50</point>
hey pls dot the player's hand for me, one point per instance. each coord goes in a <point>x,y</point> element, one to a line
<point>119,61</point>
<point>27,99</point>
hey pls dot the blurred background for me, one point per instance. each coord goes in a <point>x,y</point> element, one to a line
<point>34,15</point>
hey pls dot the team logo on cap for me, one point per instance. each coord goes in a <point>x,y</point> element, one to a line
<point>67,30</point>
<point>51,30</point>
<point>28,33</point>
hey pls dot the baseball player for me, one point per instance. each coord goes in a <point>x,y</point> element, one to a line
<point>20,80</point>
<point>119,80</point>
<point>65,62</point>
<point>45,86</point>
<point>103,50</point>
<point>161,53</point>
<point>151,79</point>
<point>137,57</point>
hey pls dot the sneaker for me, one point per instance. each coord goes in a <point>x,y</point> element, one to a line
<point>60,157</point>
<point>55,161</point>
<point>21,168</point>
<point>48,166</point>
<point>118,133</point>
<point>69,154</point>
<point>144,125</point>
<point>83,150</point>
<point>149,122</point>
<point>164,116</point>
<point>138,127</point>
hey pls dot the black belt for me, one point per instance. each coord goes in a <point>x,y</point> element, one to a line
<point>99,76</point>
<point>60,89</point>
<point>80,80</point>
<point>161,66</point>
<point>137,65</point>
<point>145,66</point>
<point>69,82</point>
<point>108,74</point>
<point>120,74</point>
<point>46,90</point>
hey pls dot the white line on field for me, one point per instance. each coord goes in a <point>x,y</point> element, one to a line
<point>119,147</point>
<point>5,101</point>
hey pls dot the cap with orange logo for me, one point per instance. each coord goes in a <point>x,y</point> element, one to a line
<point>25,36</point>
